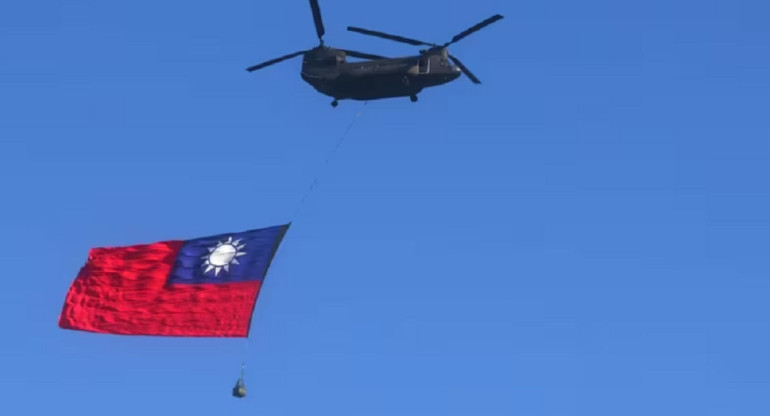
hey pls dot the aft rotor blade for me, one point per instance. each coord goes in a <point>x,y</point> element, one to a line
<point>465,70</point>
<point>362,55</point>
<point>274,61</point>
<point>474,28</point>
<point>389,36</point>
<point>319,23</point>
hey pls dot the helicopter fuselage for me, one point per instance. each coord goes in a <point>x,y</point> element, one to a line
<point>329,73</point>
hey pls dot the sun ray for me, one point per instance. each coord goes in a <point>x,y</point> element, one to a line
<point>234,261</point>
<point>208,269</point>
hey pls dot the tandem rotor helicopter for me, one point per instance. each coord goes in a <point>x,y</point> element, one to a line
<point>327,70</point>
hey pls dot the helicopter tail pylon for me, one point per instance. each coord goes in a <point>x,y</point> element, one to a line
<point>434,46</point>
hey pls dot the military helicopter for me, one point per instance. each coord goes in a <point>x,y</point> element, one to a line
<point>326,69</point>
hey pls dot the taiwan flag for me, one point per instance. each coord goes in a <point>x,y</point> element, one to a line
<point>205,287</point>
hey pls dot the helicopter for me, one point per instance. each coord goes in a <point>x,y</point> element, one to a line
<point>327,70</point>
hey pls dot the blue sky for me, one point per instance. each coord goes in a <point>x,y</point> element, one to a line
<point>585,233</point>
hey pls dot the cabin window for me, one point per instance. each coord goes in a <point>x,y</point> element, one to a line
<point>424,65</point>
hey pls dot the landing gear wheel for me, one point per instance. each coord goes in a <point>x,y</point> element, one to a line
<point>335,103</point>
<point>413,98</point>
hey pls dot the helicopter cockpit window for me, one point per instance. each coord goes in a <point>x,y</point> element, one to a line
<point>326,60</point>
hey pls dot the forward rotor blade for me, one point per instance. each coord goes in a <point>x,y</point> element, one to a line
<point>388,36</point>
<point>465,70</point>
<point>474,28</point>
<point>319,23</point>
<point>274,61</point>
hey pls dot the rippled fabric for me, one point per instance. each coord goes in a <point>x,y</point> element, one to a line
<point>202,287</point>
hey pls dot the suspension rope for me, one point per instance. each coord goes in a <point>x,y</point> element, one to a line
<point>310,189</point>
<point>326,162</point>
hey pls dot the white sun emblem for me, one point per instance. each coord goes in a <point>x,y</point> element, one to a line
<point>223,255</point>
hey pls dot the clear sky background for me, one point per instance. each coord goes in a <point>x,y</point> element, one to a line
<point>585,233</point>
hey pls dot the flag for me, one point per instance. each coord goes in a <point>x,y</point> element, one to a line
<point>205,287</point>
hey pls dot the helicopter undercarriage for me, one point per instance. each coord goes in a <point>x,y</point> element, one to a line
<point>413,98</point>
<point>365,88</point>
